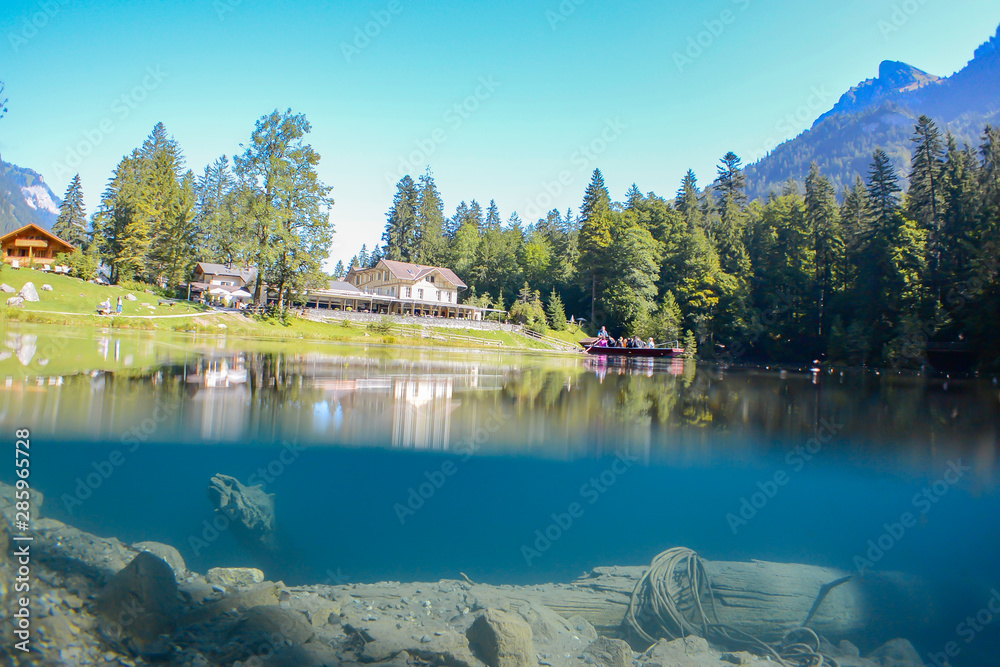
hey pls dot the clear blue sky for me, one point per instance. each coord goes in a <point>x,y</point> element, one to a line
<point>539,79</point>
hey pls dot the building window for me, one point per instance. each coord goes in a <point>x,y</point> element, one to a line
<point>449,297</point>
<point>409,292</point>
<point>420,294</point>
<point>439,295</point>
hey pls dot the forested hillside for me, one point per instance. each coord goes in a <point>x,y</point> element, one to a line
<point>878,113</point>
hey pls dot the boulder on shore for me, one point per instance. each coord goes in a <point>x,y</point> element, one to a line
<point>46,287</point>
<point>130,297</point>
<point>6,289</point>
<point>15,301</point>
<point>28,292</point>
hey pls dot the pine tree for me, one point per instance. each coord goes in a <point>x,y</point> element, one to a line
<point>476,214</point>
<point>688,202</point>
<point>596,200</point>
<point>595,234</point>
<point>883,190</point>
<point>338,270</point>
<point>492,216</point>
<point>456,221</point>
<point>959,220</point>
<point>363,256</point>
<point>633,198</point>
<point>120,232</point>
<point>823,220</point>
<point>925,201</point>
<point>71,225</point>
<point>556,312</point>
<point>433,245</point>
<point>926,167</point>
<point>731,183</point>
<point>401,237</point>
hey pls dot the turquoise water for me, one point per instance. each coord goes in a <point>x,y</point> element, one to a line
<point>421,464</point>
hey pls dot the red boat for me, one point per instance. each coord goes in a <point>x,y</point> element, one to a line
<point>667,352</point>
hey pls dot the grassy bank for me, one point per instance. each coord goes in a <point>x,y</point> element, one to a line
<point>73,302</point>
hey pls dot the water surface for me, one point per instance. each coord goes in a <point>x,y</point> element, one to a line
<point>416,464</point>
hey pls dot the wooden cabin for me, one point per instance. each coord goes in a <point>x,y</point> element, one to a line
<point>33,246</point>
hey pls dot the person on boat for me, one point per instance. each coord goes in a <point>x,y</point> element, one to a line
<point>637,342</point>
<point>650,343</point>
<point>603,333</point>
<point>602,342</point>
<point>621,342</point>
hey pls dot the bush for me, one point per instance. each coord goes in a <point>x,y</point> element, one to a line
<point>81,265</point>
<point>271,314</point>
<point>382,327</point>
<point>148,288</point>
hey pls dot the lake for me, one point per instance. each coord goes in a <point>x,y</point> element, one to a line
<point>420,464</point>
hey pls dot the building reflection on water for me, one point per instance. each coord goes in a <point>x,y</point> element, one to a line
<point>431,400</point>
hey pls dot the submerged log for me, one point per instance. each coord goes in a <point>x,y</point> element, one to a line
<point>760,598</point>
<point>766,599</point>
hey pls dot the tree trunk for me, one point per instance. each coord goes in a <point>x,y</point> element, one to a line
<point>765,599</point>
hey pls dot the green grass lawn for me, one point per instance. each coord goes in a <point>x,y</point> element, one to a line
<point>79,299</point>
<point>72,295</point>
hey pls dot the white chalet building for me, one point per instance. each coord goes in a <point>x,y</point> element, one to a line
<point>399,288</point>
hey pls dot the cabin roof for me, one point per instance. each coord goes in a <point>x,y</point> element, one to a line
<point>37,228</point>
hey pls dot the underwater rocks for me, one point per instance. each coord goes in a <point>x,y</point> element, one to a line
<point>233,577</point>
<point>97,601</point>
<point>140,605</point>
<point>167,553</point>
<point>248,507</point>
<point>608,652</point>
<point>501,639</point>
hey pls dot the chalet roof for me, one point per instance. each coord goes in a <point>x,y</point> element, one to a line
<point>407,271</point>
<point>36,228</point>
<point>341,286</point>
<point>212,269</point>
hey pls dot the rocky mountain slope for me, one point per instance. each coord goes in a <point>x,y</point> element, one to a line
<point>25,197</point>
<point>881,112</point>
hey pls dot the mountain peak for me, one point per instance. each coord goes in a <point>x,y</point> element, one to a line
<point>895,75</point>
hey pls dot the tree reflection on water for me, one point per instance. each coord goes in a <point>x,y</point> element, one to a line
<point>552,407</point>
